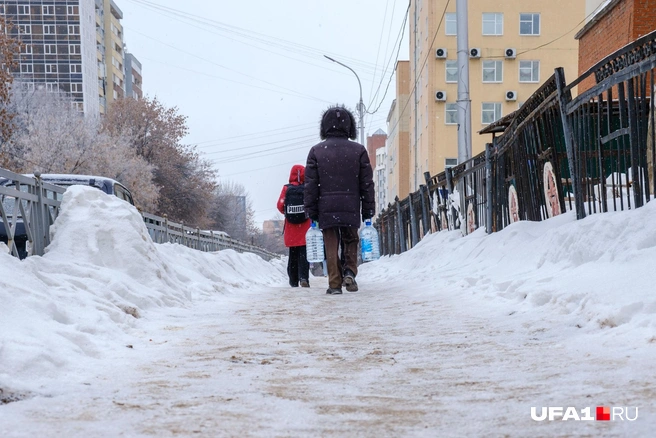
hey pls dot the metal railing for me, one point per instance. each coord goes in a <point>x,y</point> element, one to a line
<point>162,230</point>
<point>29,206</point>
<point>593,153</point>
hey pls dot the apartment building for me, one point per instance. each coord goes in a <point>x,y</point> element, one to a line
<point>398,138</point>
<point>514,46</point>
<point>132,77</point>
<point>113,52</point>
<point>59,52</point>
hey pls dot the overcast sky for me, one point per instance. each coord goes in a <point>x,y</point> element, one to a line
<point>252,79</point>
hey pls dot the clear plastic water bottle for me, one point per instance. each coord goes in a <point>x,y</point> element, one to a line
<point>314,244</point>
<point>369,242</point>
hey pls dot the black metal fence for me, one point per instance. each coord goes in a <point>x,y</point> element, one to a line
<point>590,153</point>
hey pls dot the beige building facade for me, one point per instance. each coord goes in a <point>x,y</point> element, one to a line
<point>398,137</point>
<point>112,86</point>
<point>514,47</point>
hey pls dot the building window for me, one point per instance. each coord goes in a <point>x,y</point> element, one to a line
<point>26,68</point>
<point>74,49</point>
<point>73,10</point>
<point>25,29</point>
<point>73,29</point>
<point>76,88</point>
<point>28,86</point>
<point>450,162</point>
<point>492,71</point>
<point>23,10</point>
<point>115,94</point>
<point>451,114</point>
<point>49,29</point>
<point>492,23</point>
<point>529,71</point>
<point>48,10</point>
<point>450,24</point>
<point>490,112</point>
<point>52,86</point>
<point>529,24</point>
<point>26,49</point>
<point>76,68</point>
<point>51,68</point>
<point>451,71</point>
<point>50,49</point>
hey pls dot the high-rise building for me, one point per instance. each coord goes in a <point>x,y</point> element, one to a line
<point>132,77</point>
<point>113,52</point>
<point>514,47</point>
<point>59,47</point>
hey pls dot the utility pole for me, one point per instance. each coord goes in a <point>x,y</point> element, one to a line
<point>360,104</point>
<point>463,101</point>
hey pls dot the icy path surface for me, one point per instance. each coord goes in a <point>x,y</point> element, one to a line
<point>386,361</point>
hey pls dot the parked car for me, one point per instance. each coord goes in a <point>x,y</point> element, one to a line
<point>107,185</point>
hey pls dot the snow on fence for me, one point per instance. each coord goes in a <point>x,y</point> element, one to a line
<point>28,206</point>
<point>592,153</point>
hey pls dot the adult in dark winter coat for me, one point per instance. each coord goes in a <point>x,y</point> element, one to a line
<point>298,268</point>
<point>339,194</point>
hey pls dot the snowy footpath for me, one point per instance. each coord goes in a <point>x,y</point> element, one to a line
<point>109,335</point>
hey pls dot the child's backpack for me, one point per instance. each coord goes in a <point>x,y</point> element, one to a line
<point>294,210</point>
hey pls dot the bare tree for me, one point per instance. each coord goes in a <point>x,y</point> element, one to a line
<point>186,181</point>
<point>9,48</point>
<point>52,136</point>
<point>232,211</point>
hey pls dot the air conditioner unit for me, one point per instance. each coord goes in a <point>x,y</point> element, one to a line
<point>511,95</point>
<point>440,95</point>
<point>475,52</point>
<point>440,53</point>
<point>511,53</point>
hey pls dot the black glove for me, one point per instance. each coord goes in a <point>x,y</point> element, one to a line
<point>314,218</point>
<point>367,215</point>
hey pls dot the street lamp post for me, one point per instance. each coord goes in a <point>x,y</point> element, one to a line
<point>361,104</point>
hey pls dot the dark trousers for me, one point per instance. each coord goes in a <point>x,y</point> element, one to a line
<point>348,239</point>
<point>298,267</point>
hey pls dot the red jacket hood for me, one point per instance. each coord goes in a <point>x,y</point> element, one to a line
<point>297,174</point>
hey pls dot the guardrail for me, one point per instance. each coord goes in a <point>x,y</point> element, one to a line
<point>162,230</point>
<point>28,206</point>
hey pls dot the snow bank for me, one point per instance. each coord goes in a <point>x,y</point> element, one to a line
<point>101,273</point>
<point>594,273</point>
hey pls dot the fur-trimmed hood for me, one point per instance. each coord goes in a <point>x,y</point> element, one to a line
<point>337,121</point>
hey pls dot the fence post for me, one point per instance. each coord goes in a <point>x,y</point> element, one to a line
<point>399,222</point>
<point>449,186</point>
<point>426,204</point>
<point>635,150</point>
<point>488,188</point>
<point>414,226</point>
<point>569,144</point>
<point>37,220</point>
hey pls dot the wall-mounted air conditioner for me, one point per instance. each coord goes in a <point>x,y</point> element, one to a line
<point>511,96</point>
<point>440,53</point>
<point>475,52</point>
<point>440,95</point>
<point>511,53</point>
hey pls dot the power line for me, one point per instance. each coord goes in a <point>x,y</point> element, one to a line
<point>392,74</point>
<point>264,39</point>
<point>226,68</point>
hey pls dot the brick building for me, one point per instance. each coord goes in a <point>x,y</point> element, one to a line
<point>616,23</point>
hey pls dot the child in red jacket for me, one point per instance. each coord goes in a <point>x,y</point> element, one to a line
<point>298,268</point>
